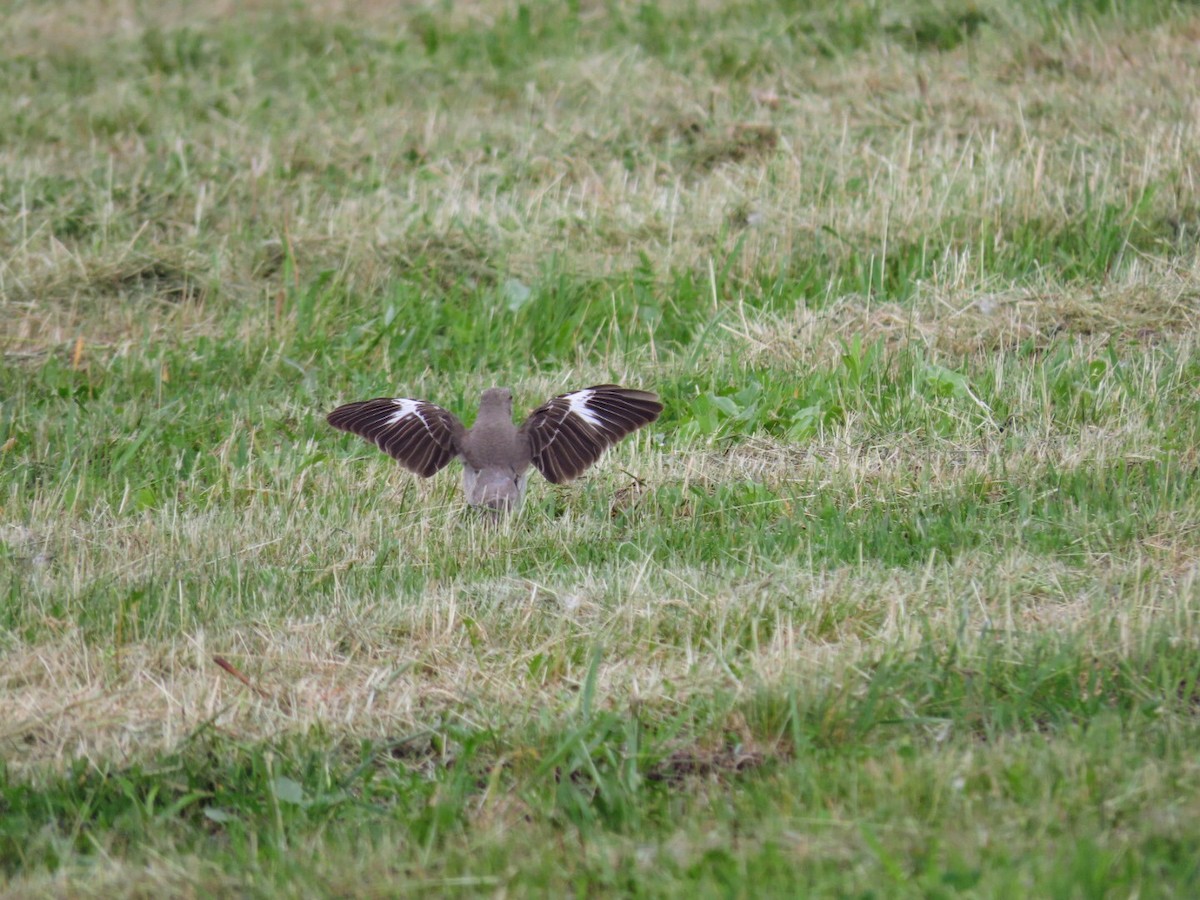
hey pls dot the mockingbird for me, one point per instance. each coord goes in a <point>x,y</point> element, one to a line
<point>562,437</point>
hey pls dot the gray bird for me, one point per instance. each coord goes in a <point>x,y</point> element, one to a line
<point>561,438</point>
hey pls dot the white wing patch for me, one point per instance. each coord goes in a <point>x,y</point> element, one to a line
<point>405,408</point>
<point>578,402</point>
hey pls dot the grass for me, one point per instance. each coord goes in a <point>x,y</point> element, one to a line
<point>898,598</point>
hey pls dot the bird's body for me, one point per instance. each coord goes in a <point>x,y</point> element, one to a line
<point>495,455</point>
<point>561,438</point>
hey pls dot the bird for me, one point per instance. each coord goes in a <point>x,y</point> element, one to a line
<point>561,438</point>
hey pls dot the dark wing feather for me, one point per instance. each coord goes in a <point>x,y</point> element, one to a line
<point>570,432</point>
<point>421,436</point>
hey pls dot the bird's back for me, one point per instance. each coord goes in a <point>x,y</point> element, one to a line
<point>498,444</point>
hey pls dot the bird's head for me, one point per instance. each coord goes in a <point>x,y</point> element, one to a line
<point>497,398</point>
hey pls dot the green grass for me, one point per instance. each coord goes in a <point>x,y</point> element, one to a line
<point>898,598</point>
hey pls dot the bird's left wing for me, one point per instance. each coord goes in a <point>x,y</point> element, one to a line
<point>421,436</point>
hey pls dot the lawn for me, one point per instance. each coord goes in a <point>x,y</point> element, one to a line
<point>899,598</point>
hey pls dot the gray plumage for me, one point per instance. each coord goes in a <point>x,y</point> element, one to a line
<point>560,438</point>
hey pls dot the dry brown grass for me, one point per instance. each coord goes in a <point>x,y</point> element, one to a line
<point>871,149</point>
<point>464,651</point>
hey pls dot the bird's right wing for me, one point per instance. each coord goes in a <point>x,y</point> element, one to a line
<point>570,432</point>
<point>421,436</point>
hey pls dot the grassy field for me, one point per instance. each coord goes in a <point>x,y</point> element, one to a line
<point>899,598</point>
